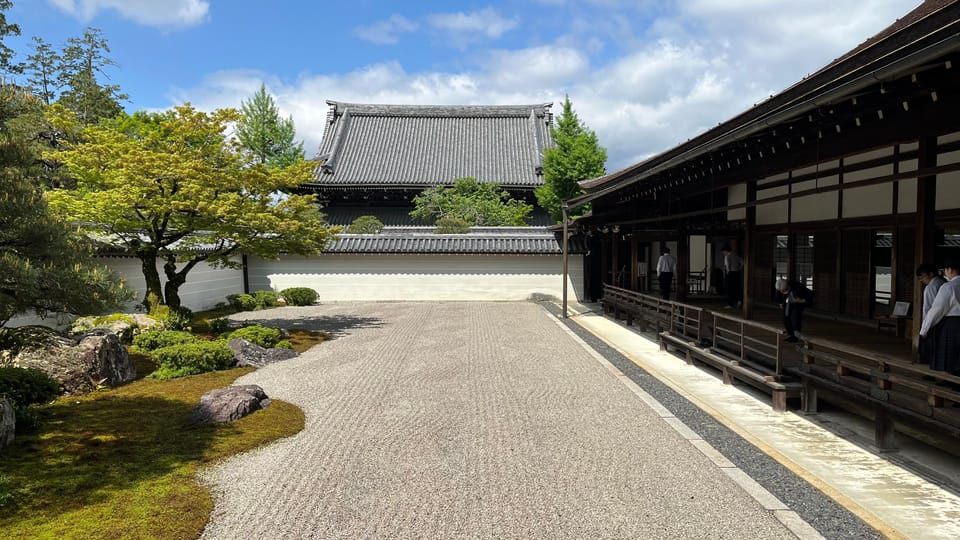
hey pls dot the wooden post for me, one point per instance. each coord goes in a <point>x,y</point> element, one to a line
<point>563,207</point>
<point>614,251</point>
<point>749,247</point>
<point>925,228</point>
<point>885,437</point>
<point>683,264</point>
<point>634,264</point>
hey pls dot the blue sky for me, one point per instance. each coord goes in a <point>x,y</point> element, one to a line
<point>644,74</point>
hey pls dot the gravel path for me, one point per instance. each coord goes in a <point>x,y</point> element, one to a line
<point>467,420</point>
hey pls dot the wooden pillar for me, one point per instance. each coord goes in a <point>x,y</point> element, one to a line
<point>925,228</point>
<point>614,251</point>
<point>748,251</point>
<point>683,264</point>
<point>634,264</point>
<point>604,259</point>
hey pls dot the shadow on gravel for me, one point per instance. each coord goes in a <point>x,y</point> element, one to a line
<point>334,326</point>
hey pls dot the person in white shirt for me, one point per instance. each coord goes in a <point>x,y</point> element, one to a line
<point>666,266</point>
<point>932,281</point>
<point>732,276</point>
<point>942,320</point>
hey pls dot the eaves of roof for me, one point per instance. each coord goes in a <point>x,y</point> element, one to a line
<point>929,31</point>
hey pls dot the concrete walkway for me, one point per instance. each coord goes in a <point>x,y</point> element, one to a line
<point>896,501</point>
<point>476,420</point>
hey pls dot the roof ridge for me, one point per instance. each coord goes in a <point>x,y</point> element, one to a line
<point>440,111</point>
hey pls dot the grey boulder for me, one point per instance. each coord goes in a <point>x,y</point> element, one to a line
<point>251,354</point>
<point>229,404</point>
<point>79,365</point>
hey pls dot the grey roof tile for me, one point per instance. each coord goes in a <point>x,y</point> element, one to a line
<point>480,240</point>
<point>429,145</point>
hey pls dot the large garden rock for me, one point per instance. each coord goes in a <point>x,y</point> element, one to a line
<point>8,423</point>
<point>125,325</point>
<point>251,354</point>
<point>78,365</point>
<point>229,404</point>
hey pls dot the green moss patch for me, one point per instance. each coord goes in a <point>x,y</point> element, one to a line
<point>123,463</point>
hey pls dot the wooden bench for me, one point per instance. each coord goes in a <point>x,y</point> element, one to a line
<point>732,369</point>
<point>895,389</point>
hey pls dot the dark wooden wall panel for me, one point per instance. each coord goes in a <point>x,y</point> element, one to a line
<point>857,297</point>
<point>825,270</point>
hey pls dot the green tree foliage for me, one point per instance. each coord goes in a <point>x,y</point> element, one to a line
<point>44,266</point>
<point>575,156</point>
<point>452,225</point>
<point>7,66</point>
<point>268,138</point>
<point>83,60</point>
<point>478,203</point>
<point>41,69</point>
<point>171,187</point>
<point>365,225</point>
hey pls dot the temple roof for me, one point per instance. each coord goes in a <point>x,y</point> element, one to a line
<point>480,240</point>
<point>421,146</point>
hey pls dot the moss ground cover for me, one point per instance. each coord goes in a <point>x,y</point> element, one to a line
<point>122,463</point>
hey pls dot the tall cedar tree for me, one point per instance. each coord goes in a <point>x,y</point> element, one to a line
<point>268,138</point>
<point>44,265</point>
<point>478,203</point>
<point>576,156</point>
<point>41,68</point>
<point>82,62</point>
<point>171,188</point>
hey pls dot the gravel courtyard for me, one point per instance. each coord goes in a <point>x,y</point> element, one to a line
<point>467,420</point>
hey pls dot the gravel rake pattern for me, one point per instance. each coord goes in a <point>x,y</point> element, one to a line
<point>468,420</point>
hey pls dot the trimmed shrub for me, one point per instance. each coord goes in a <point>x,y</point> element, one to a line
<point>242,302</point>
<point>27,386</point>
<point>191,359</point>
<point>261,335</point>
<point>265,299</point>
<point>365,225</point>
<point>283,344</point>
<point>299,296</point>
<point>220,325</point>
<point>452,225</point>
<point>151,341</point>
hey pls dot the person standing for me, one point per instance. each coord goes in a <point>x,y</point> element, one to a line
<point>666,266</point>
<point>932,281</point>
<point>794,297</point>
<point>732,276</point>
<point>944,316</point>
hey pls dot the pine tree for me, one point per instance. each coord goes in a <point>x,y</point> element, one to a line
<point>82,61</point>
<point>42,68</point>
<point>265,135</point>
<point>575,156</point>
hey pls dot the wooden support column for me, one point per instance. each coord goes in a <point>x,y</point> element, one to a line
<point>683,264</point>
<point>748,251</point>
<point>925,227</point>
<point>614,264</point>
<point>604,258</point>
<point>634,264</point>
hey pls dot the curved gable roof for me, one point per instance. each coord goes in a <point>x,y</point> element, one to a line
<point>367,145</point>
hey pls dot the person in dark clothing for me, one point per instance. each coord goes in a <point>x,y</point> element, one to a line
<point>931,280</point>
<point>793,297</point>
<point>732,276</point>
<point>944,315</point>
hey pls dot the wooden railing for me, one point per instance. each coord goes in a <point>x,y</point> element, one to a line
<point>744,350</point>
<point>897,389</point>
<point>749,341</point>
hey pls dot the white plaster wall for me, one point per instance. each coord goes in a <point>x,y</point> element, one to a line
<point>204,289</point>
<point>868,201</point>
<point>867,156</point>
<point>948,184</point>
<point>908,196</point>
<point>821,206</point>
<point>773,212</point>
<point>949,138</point>
<point>698,253</point>
<point>345,277</point>
<point>867,174</point>
<point>737,194</point>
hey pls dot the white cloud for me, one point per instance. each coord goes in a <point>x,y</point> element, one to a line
<point>386,32</point>
<point>466,27</point>
<point>159,13</point>
<point>689,70</point>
